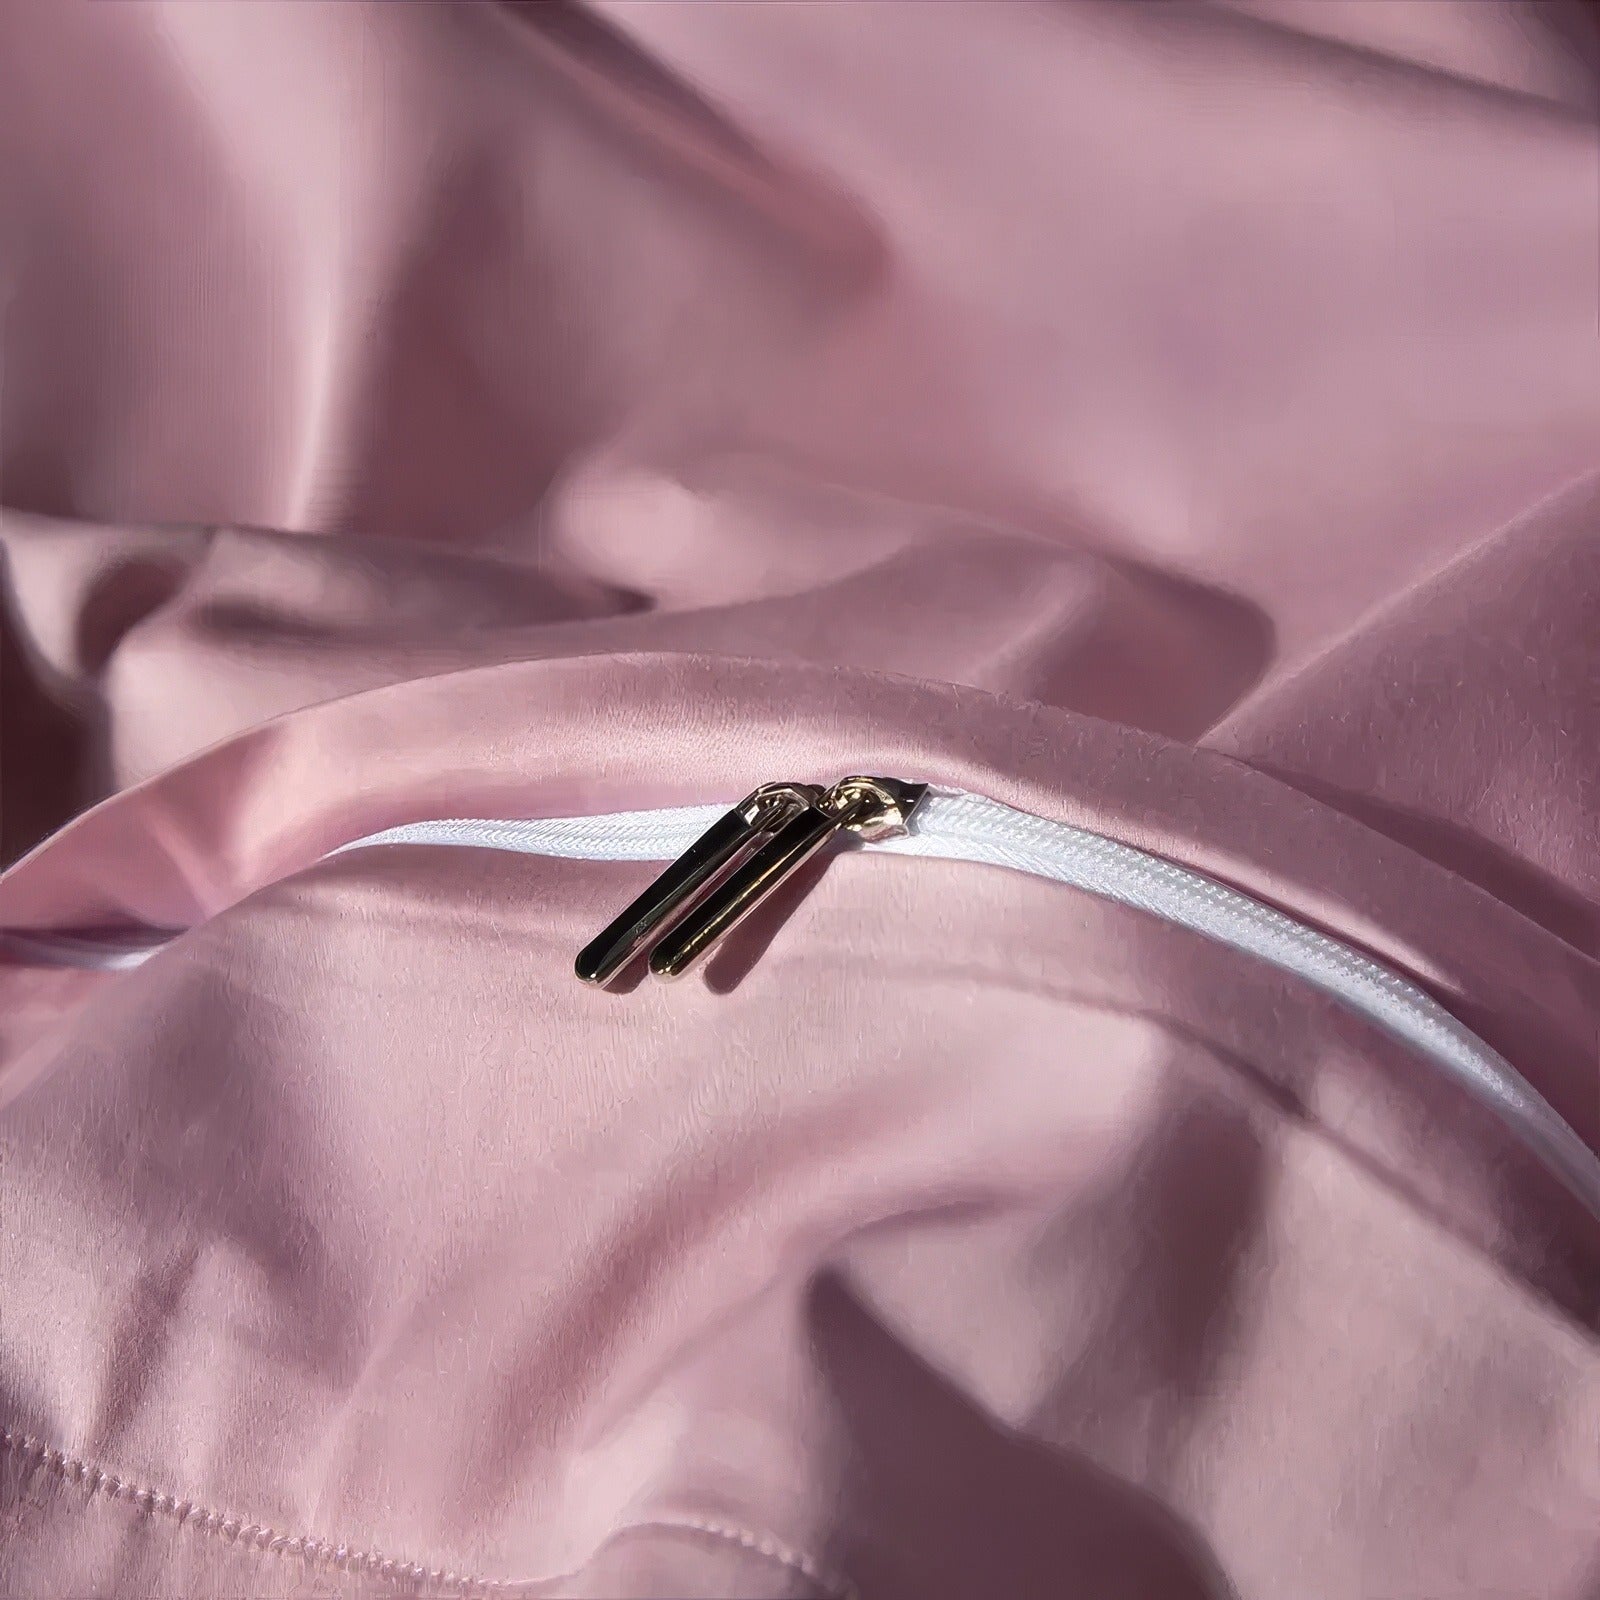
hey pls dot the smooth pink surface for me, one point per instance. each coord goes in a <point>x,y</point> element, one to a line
<point>1183,421</point>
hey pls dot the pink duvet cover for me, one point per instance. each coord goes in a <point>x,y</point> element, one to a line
<point>1177,423</point>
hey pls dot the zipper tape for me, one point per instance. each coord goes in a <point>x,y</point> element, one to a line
<point>956,826</point>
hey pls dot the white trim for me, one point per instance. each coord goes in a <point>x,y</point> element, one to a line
<point>955,826</point>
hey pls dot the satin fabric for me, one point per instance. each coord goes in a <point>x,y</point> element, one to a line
<point>1182,421</point>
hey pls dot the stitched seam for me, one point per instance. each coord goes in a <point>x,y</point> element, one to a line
<point>837,1586</point>
<point>341,1558</point>
<point>235,1530</point>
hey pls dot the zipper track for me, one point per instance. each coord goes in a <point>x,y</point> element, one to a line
<point>956,826</point>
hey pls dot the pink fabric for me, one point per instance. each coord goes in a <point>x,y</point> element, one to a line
<point>1180,420</point>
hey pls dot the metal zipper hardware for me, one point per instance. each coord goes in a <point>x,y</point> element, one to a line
<point>732,867</point>
<point>761,813</point>
<point>873,808</point>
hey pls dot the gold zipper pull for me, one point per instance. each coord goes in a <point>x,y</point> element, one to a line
<point>873,808</point>
<point>755,818</point>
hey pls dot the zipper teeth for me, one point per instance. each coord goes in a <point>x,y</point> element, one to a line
<point>1177,894</point>
<point>615,836</point>
<point>954,825</point>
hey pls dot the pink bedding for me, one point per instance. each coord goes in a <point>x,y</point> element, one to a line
<point>1179,422</point>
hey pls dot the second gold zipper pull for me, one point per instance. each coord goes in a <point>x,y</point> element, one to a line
<point>752,820</point>
<point>731,869</point>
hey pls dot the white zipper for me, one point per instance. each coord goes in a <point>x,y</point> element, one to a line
<point>956,826</point>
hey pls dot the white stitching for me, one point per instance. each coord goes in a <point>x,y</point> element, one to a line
<point>233,1529</point>
<point>342,1558</point>
<point>838,1586</point>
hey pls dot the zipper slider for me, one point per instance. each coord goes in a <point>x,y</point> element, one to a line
<point>737,863</point>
